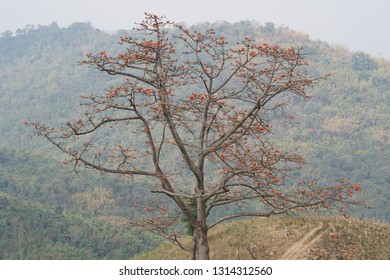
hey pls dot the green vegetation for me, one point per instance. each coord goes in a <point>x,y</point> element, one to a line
<point>29,231</point>
<point>48,211</point>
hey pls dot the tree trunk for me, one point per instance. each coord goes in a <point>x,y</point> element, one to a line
<point>193,253</point>
<point>201,242</point>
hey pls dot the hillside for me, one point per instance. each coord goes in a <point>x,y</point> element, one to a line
<point>30,231</point>
<point>343,132</point>
<point>291,238</point>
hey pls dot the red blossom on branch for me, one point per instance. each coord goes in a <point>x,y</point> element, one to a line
<point>205,104</point>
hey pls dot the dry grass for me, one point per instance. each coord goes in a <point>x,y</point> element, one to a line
<point>353,239</point>
<point>270,238</point>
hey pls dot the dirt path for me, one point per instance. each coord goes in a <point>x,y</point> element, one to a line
<point>298,250</point>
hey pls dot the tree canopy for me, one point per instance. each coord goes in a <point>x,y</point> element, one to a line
<point>205,103</point>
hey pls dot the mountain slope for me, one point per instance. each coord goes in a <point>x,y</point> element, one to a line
<point>343,132</point>
<point>29,231</point>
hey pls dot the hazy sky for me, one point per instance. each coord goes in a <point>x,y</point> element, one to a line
<point>356,24</point>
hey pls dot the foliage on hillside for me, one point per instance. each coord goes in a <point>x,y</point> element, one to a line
<point>29,231</point>
<point>48,212</point>
<point>45,181</point>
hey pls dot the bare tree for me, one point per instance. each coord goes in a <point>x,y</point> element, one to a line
<point>191,114</point>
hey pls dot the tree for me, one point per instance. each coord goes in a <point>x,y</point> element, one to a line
<point>363,62</point>
<point>94,201</point>
<point>269,27</point>
<point>198,109</point>
<point>6,34</point>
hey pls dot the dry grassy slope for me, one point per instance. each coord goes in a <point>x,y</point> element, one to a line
<point>291,238</point>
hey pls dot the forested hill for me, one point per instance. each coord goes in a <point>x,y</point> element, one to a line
<point>30,231</point>
<point>343,131</point>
